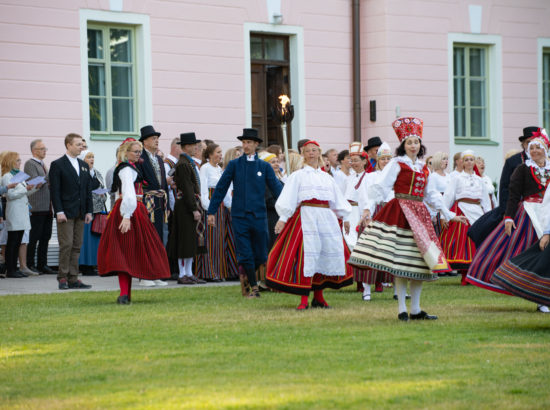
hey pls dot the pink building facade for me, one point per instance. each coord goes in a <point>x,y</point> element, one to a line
<point>476,72</point>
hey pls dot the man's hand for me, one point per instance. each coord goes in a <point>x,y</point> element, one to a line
<point>508,226</point>
<point>460,218</point>
<point>125,225</point>
<point>88,218</point>
<point>279,227</point>
<point>61,218</point>
<point>211,220</point>
<point>196,215</point>
<point>544,242</point>
<point>11,186</point>
<point>29,187</point>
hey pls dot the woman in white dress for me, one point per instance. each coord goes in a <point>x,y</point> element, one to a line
<point>310,252</point>
<point>358,163</point>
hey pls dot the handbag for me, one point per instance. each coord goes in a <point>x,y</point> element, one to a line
<point>99,223</point>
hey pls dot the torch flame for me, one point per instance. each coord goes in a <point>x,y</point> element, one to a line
<point>284,100</point>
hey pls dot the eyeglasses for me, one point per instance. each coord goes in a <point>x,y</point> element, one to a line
<point>137,152</point>
<point>41,149</point>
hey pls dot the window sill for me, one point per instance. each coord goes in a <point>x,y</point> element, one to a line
<point>471,141</point>
<point>111,137</point>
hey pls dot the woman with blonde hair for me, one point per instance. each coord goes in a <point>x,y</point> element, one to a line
<point>130,246</point>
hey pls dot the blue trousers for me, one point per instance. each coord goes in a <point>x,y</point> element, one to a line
<point>251,238</point>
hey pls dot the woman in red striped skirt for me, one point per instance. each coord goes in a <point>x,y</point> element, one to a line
<point>130,246</point>
<point>310,252</point>
<point>467,195</point>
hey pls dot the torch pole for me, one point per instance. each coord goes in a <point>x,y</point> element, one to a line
<point>285,147</point>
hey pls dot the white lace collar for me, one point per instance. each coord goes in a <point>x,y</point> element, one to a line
<point>416,165</point>
<point>533,164</point>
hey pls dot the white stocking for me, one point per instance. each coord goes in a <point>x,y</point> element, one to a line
<point>401,292</point>
<point>416,289</point>
<point>188,265</point>
<point>181,268</point>
<point>366,289</point>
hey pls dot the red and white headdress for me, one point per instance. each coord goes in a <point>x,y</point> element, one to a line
<point>355,148</point>
<point>408,127</point>
<point>541,138</point>
<point>311,142</point>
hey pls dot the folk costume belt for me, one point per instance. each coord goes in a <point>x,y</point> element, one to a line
<point>533,198</point>
<point>315,203</point>
<point>411,197</point>
<point>353,203</point>
<point>148,200</point>
<point>470,201</point>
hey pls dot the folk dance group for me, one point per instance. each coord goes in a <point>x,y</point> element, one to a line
<point>381,228</point>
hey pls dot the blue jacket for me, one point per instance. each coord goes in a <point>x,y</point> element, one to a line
<point>249,182</point>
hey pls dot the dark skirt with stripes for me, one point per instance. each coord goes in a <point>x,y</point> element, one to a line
<point>230,261</point>
<point>215,263</point>
<point>138,252</point>
<point>458,247</point>
<point>527,275</point>
<point>285,263</point>
<point>498,248</point>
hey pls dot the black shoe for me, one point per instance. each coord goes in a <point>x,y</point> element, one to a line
<point>123,300</point>
<point>316,304</point>
<point>63,284</point>
<point>404,316</point>
<point>16,274</point>
<point>79,285</point>
<point>198,281</point>
<point>46,270</point>
<point>396,298</point>
<point>453,273</point>
<point>423,316</point>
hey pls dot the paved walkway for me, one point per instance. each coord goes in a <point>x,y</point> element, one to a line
<point>48,284</point>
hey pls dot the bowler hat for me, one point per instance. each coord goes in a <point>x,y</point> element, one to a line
<point>528,133</point>
<point>148,131</point>
<point>373,142</point>
<point>250,134</point>
<point>188,138</point>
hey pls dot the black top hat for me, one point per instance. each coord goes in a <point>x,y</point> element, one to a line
<point>528,133</point>
<point>250,134</point>
<point>148,131</point>
<point>373,142</point>
<point>188,138</point>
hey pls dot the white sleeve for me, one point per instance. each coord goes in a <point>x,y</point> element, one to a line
<point>434,199</point>
<point>546,213</point>
<point>485,198</point>
<point>166,169</point>
<point>349,195</point>
<point>129,201</point>
<point>449,197</point>
<point>382,184</point>
<point>228,200</point>
<point>19,191</point>
<point>288,199</point>
<point>340,205</point>
<point>203,174</point>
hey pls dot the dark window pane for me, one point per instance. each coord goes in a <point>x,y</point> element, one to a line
<point>256,48</point>
<point>121,81</point>
<point>477,62</point>
<point>98,114</point>
<point>123,115</point>
<point>121,45</point>
<point>459,92</point>
<point>546,66</point>
<point>477,93</point>
<point>274,49</point>
<point>95,44</point>
<point>477,122</point>
<point>458,61</point>
<point>460,122</point>
<point>96,79</point>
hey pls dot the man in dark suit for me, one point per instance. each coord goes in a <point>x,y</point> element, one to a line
<point>249,175</point>
<point>155,187</point>
<point>41,211</point>
<point>483,227</point>
<point>71,195</point>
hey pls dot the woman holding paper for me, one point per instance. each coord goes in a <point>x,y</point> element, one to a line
<point>17,210</point>
<point>90,242</point>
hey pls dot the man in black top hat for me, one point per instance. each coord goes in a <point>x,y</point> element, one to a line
<point>483,227</point>
<point>372,149</point>
<point>249,176</point>
<point>182,243</point>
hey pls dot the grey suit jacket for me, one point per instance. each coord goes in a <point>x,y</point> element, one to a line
<point>40,200</point>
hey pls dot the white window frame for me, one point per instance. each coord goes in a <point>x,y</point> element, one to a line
<point>542,45</point>
<point>296,60</point>
<point>142,63</point>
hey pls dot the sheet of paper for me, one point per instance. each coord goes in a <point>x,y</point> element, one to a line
<point>36,180</point>
<point>100,191</point>
<point>19,177</point>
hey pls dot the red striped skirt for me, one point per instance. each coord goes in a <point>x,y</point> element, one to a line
<point>458,247</point>
<point>285,263</point>
<point>139,252</point>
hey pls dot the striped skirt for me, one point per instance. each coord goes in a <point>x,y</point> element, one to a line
<point>527,275</point>
<point>138,252</point>
<point>458,247</point>
<point>498,248</point>
<point>285,263</point>
<point>390,245</point>
<point>217,262</point>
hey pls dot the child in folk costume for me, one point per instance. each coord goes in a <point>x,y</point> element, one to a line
<point>358,163</point>
<point>467,195</point>
<point>370,277</point>
<point>528,274</point>
<point>522,224</point>
<point>130,246</point>
<point>401,239</point>
<point>310,252</point>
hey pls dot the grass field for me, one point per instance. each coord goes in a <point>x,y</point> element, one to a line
<point>210,348</point>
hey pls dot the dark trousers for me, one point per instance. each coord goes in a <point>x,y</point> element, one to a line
<point>12,250</point>
<point>41,232</point>
<point>251,239</point>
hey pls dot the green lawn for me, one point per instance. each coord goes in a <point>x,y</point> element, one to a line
<point>210,348</point>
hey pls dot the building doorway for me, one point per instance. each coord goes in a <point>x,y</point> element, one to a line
<point>270,77</point>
